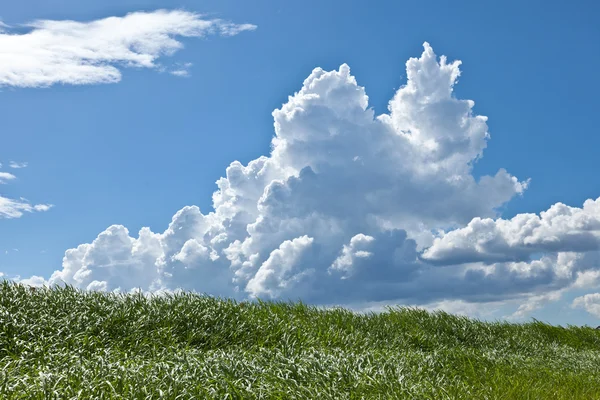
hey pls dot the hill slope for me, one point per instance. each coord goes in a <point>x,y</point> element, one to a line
<point>63,343</point>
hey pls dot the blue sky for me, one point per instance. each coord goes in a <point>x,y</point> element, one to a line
<point>136,151</point>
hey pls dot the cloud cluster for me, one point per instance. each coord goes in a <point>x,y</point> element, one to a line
<point>352,207</point>
<point>339,208</point>
<point>70,52</point>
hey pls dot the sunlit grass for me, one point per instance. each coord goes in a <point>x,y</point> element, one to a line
<point>67,344</point>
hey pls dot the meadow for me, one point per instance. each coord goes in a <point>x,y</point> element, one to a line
<point>62,343</point>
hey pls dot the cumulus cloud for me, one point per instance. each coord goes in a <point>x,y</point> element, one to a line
<point>285,267</point>
<point>35,281</point>
<point>589,302</point>
<point>337,211</point>
<point>560,228</point>
<point>351,207</point>
<point>79,53</point>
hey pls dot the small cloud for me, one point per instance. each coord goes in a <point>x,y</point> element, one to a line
<point>589,302</point>
<point>230,29</point>
<point>12,208</point>
<point>42,207</point>
<point>182,70</point>
<point>17,165</point>
<point>6,176</point>
<point>181,73</point>
<point>534,303</point>
<point>35,281</point>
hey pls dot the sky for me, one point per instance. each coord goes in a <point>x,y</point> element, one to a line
<point>432,154</point>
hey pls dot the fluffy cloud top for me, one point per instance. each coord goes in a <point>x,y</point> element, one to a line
<point>560,228</point>
<point>346,207</point>
<point>80,53</point>
<point>340,206</point>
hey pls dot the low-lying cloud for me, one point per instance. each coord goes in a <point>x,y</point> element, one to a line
<point>560,228</point>
<point>354,207</point>
<point>589,302</point>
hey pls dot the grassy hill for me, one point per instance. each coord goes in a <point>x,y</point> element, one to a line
<point>67,344</point>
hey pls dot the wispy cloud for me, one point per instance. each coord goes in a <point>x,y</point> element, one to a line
<point>182,70</point>
<point>15,208</point>
<point>17,165</point>
<point>78,53</point>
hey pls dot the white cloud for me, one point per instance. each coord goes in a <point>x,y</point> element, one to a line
<point>5,177</point>
<point>460,307</point>
<point>285,267</point>
<point>560,228</point>
<point>589,302</point>
<point>356,186</point>
<point>15,208</point>
<point>35,281</point>
<point>340,209</point>
<point>183,73</point>
<point>588,279</point>
<point>17,165</point>
<point>534,303</point>
<point>457,307</point>
<point>80,53</point>
<point>358,248</point>
<point>182,70</point>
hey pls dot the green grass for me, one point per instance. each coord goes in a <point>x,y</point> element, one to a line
<point>66,344</point>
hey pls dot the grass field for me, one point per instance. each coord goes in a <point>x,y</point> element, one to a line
<point>67,344</point>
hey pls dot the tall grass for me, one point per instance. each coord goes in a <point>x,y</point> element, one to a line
<point>62,343</point>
